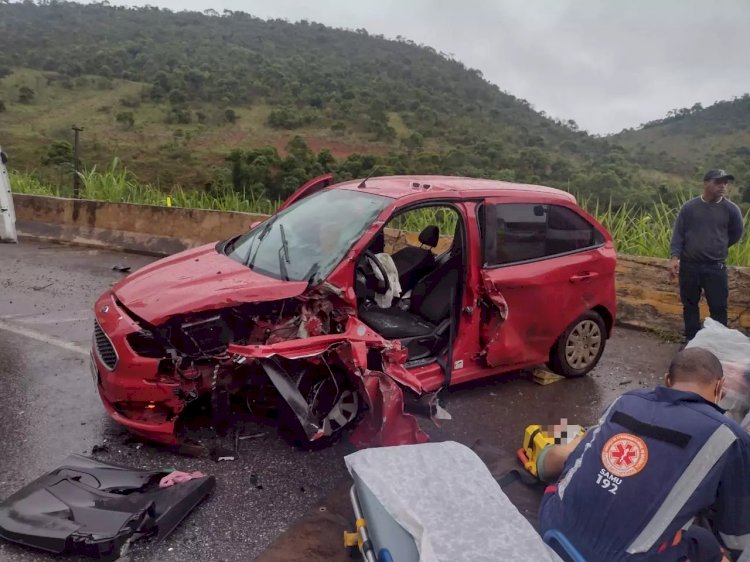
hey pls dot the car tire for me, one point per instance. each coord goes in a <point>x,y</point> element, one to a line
<point>347,401</point>
<point>578,350</point>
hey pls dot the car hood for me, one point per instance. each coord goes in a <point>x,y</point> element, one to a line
<point>196,280</point>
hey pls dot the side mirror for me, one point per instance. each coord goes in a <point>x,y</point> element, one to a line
<point>254,224</point>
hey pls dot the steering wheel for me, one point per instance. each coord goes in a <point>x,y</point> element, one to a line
<point>382,286</point>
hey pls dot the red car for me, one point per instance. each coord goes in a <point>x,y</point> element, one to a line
<point>353,299</point>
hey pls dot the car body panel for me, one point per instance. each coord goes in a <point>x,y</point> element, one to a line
<point>522,330</point>
<point>89,508</point>
<point>313,186</point>
<point>196,280</point>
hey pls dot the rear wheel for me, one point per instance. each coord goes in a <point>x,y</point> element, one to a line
<point>579,348</point>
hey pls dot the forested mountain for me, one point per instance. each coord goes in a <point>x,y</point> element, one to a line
<point>718,135</point>
<point>214,100</point>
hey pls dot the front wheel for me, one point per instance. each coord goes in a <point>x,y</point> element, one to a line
<point>579,348</point>
<point>333,402</point>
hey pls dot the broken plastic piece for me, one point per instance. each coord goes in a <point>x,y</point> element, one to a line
<point>94,509</point>
<point>220,454</point>
<point>291,394</point>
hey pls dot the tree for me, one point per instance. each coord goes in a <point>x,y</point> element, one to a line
<point>58,153</point>
<point>284,118</point>
<point>177,97</point>
<point>413,142</point>
<point>126,118</point>
<point>297,148</point>
<point>25,95</point>
<point>326,160</point>
<point>179,114</point>
<point>230,116</point>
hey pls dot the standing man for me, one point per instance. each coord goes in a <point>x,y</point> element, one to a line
<point>705,229</point>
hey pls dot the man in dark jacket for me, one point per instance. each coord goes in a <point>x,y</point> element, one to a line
<point>705,229</point>
<point>634,486</point>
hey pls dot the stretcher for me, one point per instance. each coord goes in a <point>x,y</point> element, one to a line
<point>435,502</point>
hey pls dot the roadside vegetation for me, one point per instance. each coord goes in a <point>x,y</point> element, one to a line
<point>637,230</point>
<point>230,108</point>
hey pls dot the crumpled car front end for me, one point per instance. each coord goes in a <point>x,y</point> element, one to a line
<point>254,326</point>
<point>306,363</point>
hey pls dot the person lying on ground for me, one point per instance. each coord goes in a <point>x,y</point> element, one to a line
<point>635,486</point>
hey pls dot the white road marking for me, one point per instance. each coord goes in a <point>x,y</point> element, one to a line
<point>53,320</point>
<point>44,338</point>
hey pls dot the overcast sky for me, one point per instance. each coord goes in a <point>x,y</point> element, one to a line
<point>607,64</point>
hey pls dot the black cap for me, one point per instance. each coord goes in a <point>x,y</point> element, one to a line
<point>717,175</point>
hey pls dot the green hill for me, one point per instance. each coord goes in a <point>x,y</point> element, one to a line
<point>195,98</point>
<point>696,137</point>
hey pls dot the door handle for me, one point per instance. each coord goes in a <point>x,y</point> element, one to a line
<point>583,276</point>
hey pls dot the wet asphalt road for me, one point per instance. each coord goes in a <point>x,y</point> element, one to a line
<point>49,409</point>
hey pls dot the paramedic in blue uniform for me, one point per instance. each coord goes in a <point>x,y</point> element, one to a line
<point>633,487</point>
<point>704,230</point>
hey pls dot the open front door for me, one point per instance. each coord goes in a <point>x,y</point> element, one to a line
<point>313,186</point>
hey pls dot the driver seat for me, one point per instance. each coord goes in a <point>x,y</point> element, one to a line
<point>423,329</point>
<point>414,262</point>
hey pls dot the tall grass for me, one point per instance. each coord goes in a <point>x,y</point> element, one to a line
<point>445,218</point>
<point>648,232</point>
<point>117,184</point>
<point>636,231</point>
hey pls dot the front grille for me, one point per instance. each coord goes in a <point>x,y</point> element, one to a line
<point>104,348</point>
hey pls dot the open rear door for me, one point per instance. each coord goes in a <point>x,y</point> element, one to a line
<point>313,186</point>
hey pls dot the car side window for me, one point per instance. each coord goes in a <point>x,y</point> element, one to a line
<point>567,231</point>
<point>527,231</point>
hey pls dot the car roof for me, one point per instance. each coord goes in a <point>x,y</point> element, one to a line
<point>397,187</point>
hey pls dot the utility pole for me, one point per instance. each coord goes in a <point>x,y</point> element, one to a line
<point>76,165</point>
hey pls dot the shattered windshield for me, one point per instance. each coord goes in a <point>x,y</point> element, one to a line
<point>307,240</point>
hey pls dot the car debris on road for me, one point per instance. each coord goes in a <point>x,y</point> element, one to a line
<point>90,508</point>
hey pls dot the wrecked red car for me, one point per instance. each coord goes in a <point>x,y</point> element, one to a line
<point>353,299</point>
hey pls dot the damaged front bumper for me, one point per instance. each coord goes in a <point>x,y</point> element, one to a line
<point>131,388</point>
<point>140,394</point>
<point>384,421</point>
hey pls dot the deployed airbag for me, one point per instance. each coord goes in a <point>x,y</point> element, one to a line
<point>91,508</point>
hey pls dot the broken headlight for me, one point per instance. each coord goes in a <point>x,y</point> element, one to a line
<point>145,344</point>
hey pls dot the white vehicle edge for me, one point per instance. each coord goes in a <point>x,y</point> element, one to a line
<point>7,212</point>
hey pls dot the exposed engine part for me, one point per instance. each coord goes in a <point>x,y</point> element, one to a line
<point>207,336</point>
